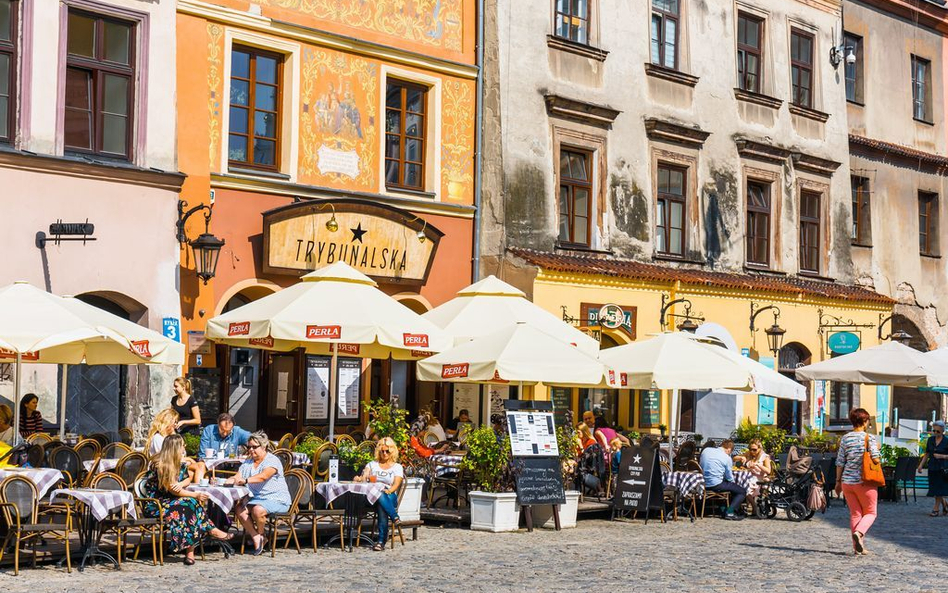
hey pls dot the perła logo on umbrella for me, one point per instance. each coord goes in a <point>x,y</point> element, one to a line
<point>451,371</point>
<point>323,332</point>
<point>141,348</point>
<point>266,342</point>
<point>415,340</point>
<point>241,328</point>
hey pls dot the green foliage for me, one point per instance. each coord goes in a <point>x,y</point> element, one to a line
<point>387,420</point>
<point>634,436</point>
<point>821,441</point>
<point>488,460</point>
<point>192,444</point>
<point>353,457</point>
<point>308,444</point>
<point>663,428</point>
<point>771,437</point>
<point>566,442</point>
<point>891,454</point>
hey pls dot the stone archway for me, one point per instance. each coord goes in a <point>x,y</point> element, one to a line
<point>414,301</point>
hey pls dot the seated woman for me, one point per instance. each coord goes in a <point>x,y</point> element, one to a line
<point>162,426</point>
<point>584,436</point>
<point>185,520</point>
<point>385,470</point>
<point>262,472</point>
<point>758,463</point>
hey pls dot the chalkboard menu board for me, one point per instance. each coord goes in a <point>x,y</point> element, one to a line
<point>206,389</point>
<point>639,484</point>
<point>650,408</point>
<point>539,480</point>
<point>562,404</point>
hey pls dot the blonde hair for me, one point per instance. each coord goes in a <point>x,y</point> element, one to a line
<point>760,450</point>
<point>584,431</point>
<point>386,442</point>
<point>168,461</point>
<point>185,384</point>
<point>163,420</point>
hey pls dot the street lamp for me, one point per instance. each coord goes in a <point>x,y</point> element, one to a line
<point>774,333</point>
<point>206,248</point>
<point>688,326</point>
<point>900,336</point>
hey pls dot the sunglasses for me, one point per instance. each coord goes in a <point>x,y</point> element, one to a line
<point>384,450</point>
<point>938,431</point>
<point>753,450</point>
<point>252,447</point>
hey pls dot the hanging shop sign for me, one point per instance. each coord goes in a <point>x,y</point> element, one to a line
<point>843,342</point>
<point>385,243</point>
<point>610,316</point>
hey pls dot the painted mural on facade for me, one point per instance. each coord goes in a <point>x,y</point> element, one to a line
<point>457,140</point>
<point>339,113</point>
<point>215,84</point>
<point>433,23</point>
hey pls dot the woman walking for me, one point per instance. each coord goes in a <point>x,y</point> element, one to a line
<point>936,452</point>
<point>861,497</point>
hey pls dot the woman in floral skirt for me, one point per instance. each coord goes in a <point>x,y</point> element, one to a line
<point>185,519</point>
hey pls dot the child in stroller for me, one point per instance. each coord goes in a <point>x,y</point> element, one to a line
<point>789,490</point>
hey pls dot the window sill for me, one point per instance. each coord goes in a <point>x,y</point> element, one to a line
<point>763,270</point>
<point>862,245</point>
<point>930,255</point>
<point>257,173</point>
<point>670,74</point>
<point>580,49</point>
<point>757,98</point>
<point>855,103</point>
<point>924,121</point>
<point>675,258</point>
<point>815,276</point>
<point>582,248</point>
<point>414,193</point>
<point>809,113</point>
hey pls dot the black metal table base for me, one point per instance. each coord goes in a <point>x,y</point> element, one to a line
<point>89,535</point>
<point>354,505</point>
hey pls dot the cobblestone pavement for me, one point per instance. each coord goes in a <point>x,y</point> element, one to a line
<point>908,553</point>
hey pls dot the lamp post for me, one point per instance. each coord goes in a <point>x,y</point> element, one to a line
<point>206,248</point>
<point>774,333</point>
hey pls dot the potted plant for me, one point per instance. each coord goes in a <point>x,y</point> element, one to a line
<point>192,443</point>
<point>388,420</point>
<point>352,460</point>
<point>662,428</point>
<point>494,504</point>
<point>543,514</point>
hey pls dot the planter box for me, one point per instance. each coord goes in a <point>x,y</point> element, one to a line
<point>543,514</point>
<point>409,509</point>
<point>494,511</point>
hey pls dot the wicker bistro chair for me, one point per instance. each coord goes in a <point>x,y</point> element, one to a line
<point>36,455</point>
<point>67,461</point>
<point>130,466</point>
<point>152,526</point>
<point>449,477</point>
<point>312,508</point>
<point>344,438</point>
<point>711,495</point>
<point>126,436</point>
<point>40,438</point>
<point>395,528</point>
<point>285,441</point>
<point>295,481</point>
<point>286,458</point>
<point>428,439</point>
<point>118,521</point>
<point>321,461</point>
<point>115,451</point>
<point>368,446</point>
<point>88,449</point>
<point>20,509</point>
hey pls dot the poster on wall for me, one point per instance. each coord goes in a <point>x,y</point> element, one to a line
<point>498,393</point>
<point>819,394</point>
<point>317,389</point>
<point>467,397</point>
<point>532,434</point>
<point>766,410</point>
<point>562,404</point>
<point>883,393</point>
<point>350,388</point>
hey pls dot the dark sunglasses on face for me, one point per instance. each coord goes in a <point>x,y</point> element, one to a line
<point>383,450</point>
<point>252,447</point>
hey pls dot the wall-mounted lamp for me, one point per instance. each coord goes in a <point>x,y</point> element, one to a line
<point>774,333</point>
<point>331,225</point>
<point>898,335</point>
<point>837,53</point>
<point>688,324</point>
<point>206,248</point>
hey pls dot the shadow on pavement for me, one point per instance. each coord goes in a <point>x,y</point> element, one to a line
<point>790,549</point>
<point>898,524</point>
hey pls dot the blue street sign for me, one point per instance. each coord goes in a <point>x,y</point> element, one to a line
<point>171,327</point>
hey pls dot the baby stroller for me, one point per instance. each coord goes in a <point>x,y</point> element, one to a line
<point>789,490</point>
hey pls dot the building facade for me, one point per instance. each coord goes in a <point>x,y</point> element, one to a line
<point>86,136</point>
<point>687,150</point>
<point>898,168</point>
<point>323,131</point>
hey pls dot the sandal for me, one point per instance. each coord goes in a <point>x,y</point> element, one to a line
<point>378,548</point>
<point>933,513</point>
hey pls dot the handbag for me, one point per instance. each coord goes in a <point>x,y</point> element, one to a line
<point>871,469</point>
<point>816,501</point>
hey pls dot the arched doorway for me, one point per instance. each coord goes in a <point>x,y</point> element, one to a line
<point>913,403</point>
<point>790,413</point>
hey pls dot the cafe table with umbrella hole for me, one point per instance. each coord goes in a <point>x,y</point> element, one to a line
<point>333,310</point>
<point>492,304</point>
<point>39,327</point>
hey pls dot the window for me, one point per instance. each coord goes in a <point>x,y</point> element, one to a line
<point>801,68</point>
<point>100,85</point>
<point>927,223</point>
<point>758,224</point>
<point>8,34</point>
<point>665,33</point>
<point>841,402</point>
<point>921,89</point>
<point>575,193</point>
<point>810,232</point>
<point>405,107</point>
<point>853,72</point>
<point>603,402</point>
<point>254,134</point>
<point>572,20</point>
<point>750,33</point>
<point>686,410</point>
<point>670,216</point>
<point>862,229</point>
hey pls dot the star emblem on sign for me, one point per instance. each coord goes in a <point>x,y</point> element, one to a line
<point>637,459</point>
<point>357,233</point>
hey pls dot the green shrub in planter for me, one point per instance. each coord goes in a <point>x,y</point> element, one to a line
<point>354,457</point>
<point>308,445</point>
<point>192,444</point>
<point>488,460</point>
<point>771,437</point>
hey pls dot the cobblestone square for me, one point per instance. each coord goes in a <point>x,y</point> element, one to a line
<point>908,552</point>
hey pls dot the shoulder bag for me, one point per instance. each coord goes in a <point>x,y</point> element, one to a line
<point>871,469</point>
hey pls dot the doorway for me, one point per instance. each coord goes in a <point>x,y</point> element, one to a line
<point>790,413</point>
<point>280,414</point>
<point>244,386</point>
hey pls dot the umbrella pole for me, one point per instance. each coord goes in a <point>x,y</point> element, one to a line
<point>62,404</point>
<point>332,394</point>
<point>673,426</point>
<point>16,401</point>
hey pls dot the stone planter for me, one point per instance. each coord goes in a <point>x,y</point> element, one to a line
<point>409,509</point>
<point>494,511</point>
<point>543,514</point>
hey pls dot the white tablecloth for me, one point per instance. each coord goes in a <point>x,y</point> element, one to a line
<point>223,496</point>
<point>43,479</point>
<point>331,491</point>
<point>100,502</point>
<point>300,459</point>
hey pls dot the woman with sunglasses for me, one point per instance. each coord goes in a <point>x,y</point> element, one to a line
<point>936,452</point>
<point>262,473</point>
<point>385,470</point>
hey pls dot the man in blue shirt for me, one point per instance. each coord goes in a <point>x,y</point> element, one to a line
<point>716,465</point>
<point>225,434</point>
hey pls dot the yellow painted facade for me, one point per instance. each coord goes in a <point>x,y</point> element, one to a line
<point>799,316</point>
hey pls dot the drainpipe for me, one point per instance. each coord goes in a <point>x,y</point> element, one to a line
<point>478,140</point>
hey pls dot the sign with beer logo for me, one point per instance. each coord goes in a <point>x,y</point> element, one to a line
<point>11,354</point>
<point>609,316</point>
<point>266,342</point>
<point>323,332</point>
<point>241,328</point>
<point>454,371</point>
<point>415,340</point>
<point>843,342</point>
<point>386,243</point>
<point>140,347</point>
<point>352,349</point>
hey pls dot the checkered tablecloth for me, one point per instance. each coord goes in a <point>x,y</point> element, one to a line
<point>445,464</point>
<point>213,462</point>
<point>300,459</point>
<point>100,502</point>
<point>43,479</point>
<point>688,483</point>
<point>746,480</point>
<point>223,496</point>
<point>333,490</point>
<point>105,465</point>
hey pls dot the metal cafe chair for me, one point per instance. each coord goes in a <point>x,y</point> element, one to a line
<point>19,503</point>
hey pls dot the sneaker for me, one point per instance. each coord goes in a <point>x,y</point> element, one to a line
<point>732,517</point>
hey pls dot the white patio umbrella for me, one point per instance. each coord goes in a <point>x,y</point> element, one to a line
<point>333,309</point>
<point>39,327</point>
<point>765,380</point>
<point>890,363</point>
<point>518,353</point>
<point>492,304</point>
